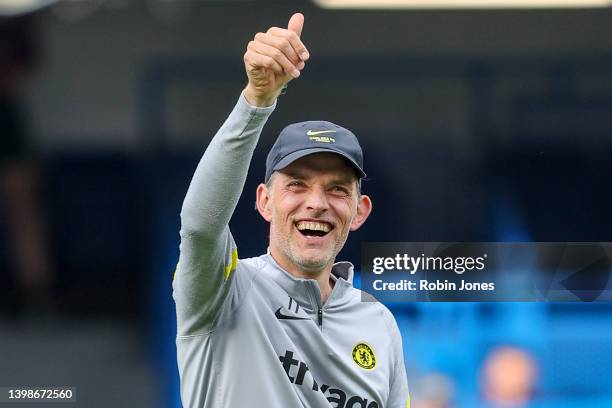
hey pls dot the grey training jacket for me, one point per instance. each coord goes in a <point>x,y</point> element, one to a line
<point>252,335</point>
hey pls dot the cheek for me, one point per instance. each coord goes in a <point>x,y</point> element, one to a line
<point>282,209</point>
<point>346,212</point>
<point>288,204</point>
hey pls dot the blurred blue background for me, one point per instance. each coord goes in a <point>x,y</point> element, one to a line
<point>477,125</point>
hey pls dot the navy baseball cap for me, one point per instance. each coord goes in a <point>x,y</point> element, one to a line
<point>315,136</point>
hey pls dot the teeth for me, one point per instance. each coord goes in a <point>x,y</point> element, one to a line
<point>315,226</point>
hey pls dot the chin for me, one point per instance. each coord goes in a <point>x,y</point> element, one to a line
<point>313,264</point>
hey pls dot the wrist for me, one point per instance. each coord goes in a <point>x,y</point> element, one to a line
<point>258,99</point>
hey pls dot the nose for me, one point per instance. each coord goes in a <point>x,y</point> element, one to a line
<point>316,200</point>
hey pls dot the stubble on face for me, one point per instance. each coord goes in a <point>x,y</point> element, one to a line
<point>284,234</point>
<point>310,265</point>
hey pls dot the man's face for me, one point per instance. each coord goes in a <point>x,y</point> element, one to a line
<point>312,205</point>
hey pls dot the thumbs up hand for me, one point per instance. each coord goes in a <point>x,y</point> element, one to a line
<point>273,59</point>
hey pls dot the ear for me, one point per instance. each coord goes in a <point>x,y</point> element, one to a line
<point>364,208</point>
<point>263,202</point>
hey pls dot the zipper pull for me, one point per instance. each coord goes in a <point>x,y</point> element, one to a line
<point>320,316</point>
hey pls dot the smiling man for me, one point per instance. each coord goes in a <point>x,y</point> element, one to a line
<point>286,329</point>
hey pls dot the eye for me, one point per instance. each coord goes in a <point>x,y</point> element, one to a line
<point>295,185</point>
<point>340,190</point>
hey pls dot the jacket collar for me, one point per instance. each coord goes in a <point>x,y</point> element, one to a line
<point>307,291</point>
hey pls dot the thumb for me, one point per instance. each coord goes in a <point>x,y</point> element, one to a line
<point>296,23</point>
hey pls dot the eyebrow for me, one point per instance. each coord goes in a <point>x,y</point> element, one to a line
<point>344,181</point>
<point>296,174</point>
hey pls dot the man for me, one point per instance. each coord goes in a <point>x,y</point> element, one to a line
<point>286,329</point>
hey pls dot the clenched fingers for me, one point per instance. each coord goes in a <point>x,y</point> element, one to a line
<point>293,38</point>
<point>261,48</point>
<point>282,44</point>
<point>257,60</point>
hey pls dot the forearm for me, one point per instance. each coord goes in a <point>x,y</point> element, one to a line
<point>220,176</point>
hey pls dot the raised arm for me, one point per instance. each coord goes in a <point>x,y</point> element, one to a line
<point>208,253</point>
<point>271,60</point>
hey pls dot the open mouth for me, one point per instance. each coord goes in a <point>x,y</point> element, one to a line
<point>313,228</point>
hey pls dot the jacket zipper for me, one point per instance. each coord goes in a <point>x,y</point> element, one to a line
<point>320,317</point>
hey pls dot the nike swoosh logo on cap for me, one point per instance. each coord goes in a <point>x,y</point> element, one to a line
<point>319,132</point>
<point>280,316</point>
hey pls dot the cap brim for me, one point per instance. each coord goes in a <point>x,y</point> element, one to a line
<point>291,157</point>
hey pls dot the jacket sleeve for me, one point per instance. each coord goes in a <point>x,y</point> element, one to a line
<point>399,396</point>
<point>208,254</point>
